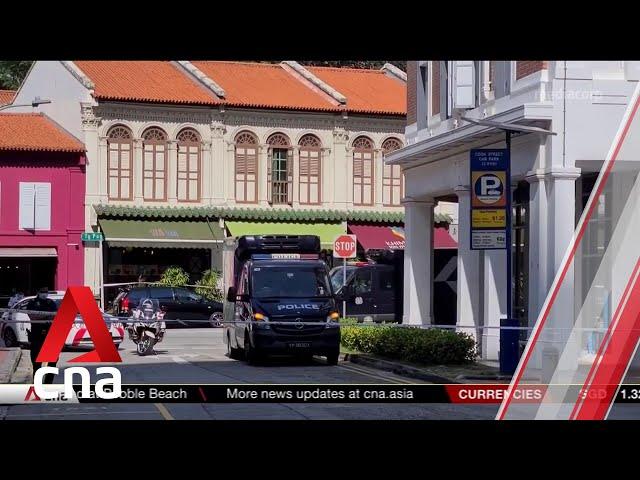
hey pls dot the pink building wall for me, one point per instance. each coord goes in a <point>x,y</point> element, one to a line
<point>66,173</point>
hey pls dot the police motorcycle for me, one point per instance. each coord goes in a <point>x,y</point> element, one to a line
<point>147,327</point>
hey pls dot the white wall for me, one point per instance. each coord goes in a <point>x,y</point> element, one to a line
<point>51,80</point>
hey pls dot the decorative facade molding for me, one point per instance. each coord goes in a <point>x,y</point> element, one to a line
<point>218,129</point>
<point>87,113</point>
<point>395,71</point>
<point>163,114</point>
<point>78,74</point>
<point>317,82</point>
<point>340,135</point>
<point>201,77</point>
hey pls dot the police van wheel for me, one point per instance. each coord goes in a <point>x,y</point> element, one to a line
<point>9,338</point>
<point>333,357</point>
<point>251,355</point>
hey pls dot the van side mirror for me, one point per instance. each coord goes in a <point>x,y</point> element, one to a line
<point>231,294</point>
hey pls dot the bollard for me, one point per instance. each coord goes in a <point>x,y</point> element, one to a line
<point>509,346</point>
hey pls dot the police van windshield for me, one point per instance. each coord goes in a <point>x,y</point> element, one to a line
<point>290,282</point>
<point>337,275</point>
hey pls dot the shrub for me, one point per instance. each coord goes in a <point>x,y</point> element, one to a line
<point>174,277</point>
<point>208,286</point>
<point>428,346</point>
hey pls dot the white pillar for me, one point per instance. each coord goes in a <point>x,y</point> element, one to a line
<point>230,181</point>
<point>495,301</point>
<point>340,176</point>
<point>539,274</point>
<point>326,177</point>
<point>378,173</point>
<point>172,172</point>
<point>470,290</point>
<point>221,163</point>
<point>418,262</point>
<point>295,185</point>
<point>138,181</point>
<point>263,178</point>
<point>207,176</point>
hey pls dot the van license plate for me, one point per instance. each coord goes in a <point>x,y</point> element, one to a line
<point>299,345</point>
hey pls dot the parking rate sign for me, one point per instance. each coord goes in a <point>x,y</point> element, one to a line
<point>345,246</point>
<point>489,188</point>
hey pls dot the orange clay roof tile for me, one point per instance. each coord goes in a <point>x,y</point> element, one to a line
<point>35,132</point>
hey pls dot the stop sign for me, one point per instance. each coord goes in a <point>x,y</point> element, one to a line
<point>344,246</point>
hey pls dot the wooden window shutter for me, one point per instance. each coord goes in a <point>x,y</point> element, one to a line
<point>290,176</point>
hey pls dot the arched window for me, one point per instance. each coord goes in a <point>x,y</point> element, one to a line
<point>246,167</point>
<point>309,177</point>
<point>363,185</point>
<point>120,163</point>
<point>280,171</point>
<point>154,164</point>
<point>189,160</point>
<point>392,181</point>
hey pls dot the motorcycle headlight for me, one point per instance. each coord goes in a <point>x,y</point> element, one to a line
<point>333,319</point>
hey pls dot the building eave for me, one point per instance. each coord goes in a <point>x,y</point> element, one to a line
<point>433,148</point>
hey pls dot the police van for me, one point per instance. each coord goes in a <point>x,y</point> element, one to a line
<point>279,299</point>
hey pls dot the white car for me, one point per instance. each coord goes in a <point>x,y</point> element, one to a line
<point>14,325</point>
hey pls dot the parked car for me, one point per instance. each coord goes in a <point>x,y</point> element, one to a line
<point>178,303</point>
<point>15,334</point>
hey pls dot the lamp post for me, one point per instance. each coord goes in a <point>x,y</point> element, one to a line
<point>36,102</point>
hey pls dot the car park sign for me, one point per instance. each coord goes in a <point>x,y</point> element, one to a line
<point>490,185</point>
<point>345,246</point>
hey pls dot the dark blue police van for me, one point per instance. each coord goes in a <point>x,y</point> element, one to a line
<point>279,299</point>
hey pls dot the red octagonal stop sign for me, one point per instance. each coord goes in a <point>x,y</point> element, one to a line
<point>344,246</point>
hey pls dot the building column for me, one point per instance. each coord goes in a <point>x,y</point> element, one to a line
<point>207,178</point>
<point>219,165</point>
<point>96,191</point>
<point>263,177</point>
<point>138,170</point>
<point>418,262</point>
<point>327,194</point>
<point>172,172</point>
<point>552,225</point>
<point>470,285</point>
<point>295,183</point>
<point>340,177</point>
<point>378,174</point>
<point>230,176</point>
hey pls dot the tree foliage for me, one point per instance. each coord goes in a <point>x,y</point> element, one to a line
<point>209,285</point>
<point>12,73</point>
<point>174,277</point>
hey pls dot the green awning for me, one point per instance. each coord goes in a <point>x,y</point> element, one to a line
<point>326,231</point>
<point>150,233</point>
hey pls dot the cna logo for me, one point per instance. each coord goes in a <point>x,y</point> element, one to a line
<point>79,300</point>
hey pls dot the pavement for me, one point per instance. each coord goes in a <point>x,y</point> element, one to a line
<point>9,360</point>
<point>199,356</point>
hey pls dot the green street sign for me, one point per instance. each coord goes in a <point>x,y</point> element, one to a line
<point>92,237</point>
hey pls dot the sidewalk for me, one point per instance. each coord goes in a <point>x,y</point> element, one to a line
<point>9,361</point>
<point>470,373</point>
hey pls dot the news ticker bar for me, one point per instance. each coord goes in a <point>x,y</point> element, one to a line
<point>325,393</point>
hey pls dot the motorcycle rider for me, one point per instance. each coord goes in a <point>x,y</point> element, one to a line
<point>40,325</point>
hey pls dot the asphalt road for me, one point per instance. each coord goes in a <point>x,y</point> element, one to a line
<point>199,356</point>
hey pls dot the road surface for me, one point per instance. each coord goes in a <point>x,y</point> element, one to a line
<point>199,356</point>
